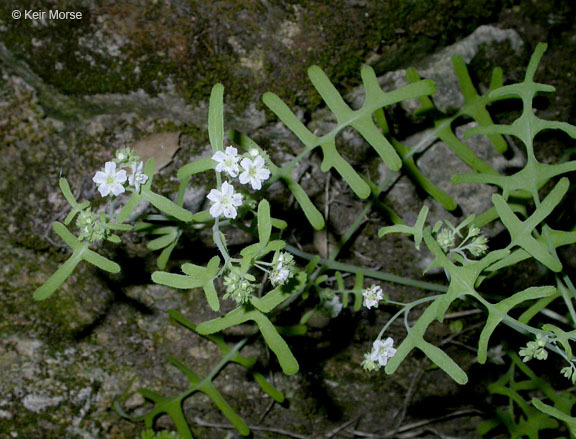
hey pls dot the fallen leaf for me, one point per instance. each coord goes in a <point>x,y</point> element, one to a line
<point>161,146</point>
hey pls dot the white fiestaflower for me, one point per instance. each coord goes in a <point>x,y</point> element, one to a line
<point>110,181</point>
<point>382,351</point>
<point>372,296</point>
<point>254,172</point>
<point>227,161</point>
<point>137,177</point>
<point>224,201</point>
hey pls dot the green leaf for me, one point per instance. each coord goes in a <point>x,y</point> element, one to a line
<point>415,339</point>
<point>57,279</point>
<point>165,255</point>
<point>70,240</point>
<point>521,231</point>
<point>129,207</point>
<point>100,261</point>
<point>555,413</point>
<point>274,393</point>
<point>216,118</point>
<point>225,408</point>
<point>312,213</point>
<point>200,165</point>
<point>279,224</point>
<point>165,205</point>
<point>194,276</point>
<point>274,341</point>
<point>415,230</point>
<point>178,281</point>
<point>360,119</point>
<point>76,208</point>
<point>163,241</point>
<point>498,312</point>
<point>264,222</point>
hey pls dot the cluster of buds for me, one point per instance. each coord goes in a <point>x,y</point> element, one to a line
<point>474,242</point>
<point>239,286</point>
<point>568,372</point>
<point>479,244</point>
<point>91,228</point>
<point>225,201</point>
<point>446,238</point>
<point>112,178</point>
<point>535,349</point>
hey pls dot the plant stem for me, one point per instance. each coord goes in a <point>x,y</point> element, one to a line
<point>333,265</point>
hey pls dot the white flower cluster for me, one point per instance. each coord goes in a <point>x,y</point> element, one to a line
<point>111,180</point>
<point>283,264</point>
<point>225,201</point>
<point>378,357</point>
<point>372,296</point>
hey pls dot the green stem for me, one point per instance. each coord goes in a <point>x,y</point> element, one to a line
<point>333,265</point>
<point>565,288</point>
<point>227,358</point>
<point>216,236</point>
<point>405,309</point>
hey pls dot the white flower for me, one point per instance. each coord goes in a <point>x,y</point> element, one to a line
<point>333,306</point>
<point>137,177</point>
<point>282,271</point>
<point>224,201</point>
<point>254,152</point>
<point>372,296</point>
<point>496,355</point>
<point>254,172</point>
<point>228,161</point>
<point>382,351</point>
<point>283,268</point>
<point>110,180</point>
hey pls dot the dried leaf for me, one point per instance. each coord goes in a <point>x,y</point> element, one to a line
<point>160,146</point>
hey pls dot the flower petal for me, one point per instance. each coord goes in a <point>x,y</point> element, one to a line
<point>256,184</point>
<point>214,195</point>
<point>117,189</point>
<point>258,162</point>
<point>104,189</point>
<point>244,177</point>
<point>219,156</point>
<point>216,210</point>
<point>231,151</point>
<point>246,163</point>
<point>121,176</point>
<point>230,212</point>
<point>227,189</point>
<point>100,177</point>
<point>110,168</point>
<point>263,174</point>
<point>236,200</point>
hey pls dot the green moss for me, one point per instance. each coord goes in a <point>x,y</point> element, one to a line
<point>120,49</point>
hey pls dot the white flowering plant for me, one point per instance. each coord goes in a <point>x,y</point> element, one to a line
<point>270,274</point>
